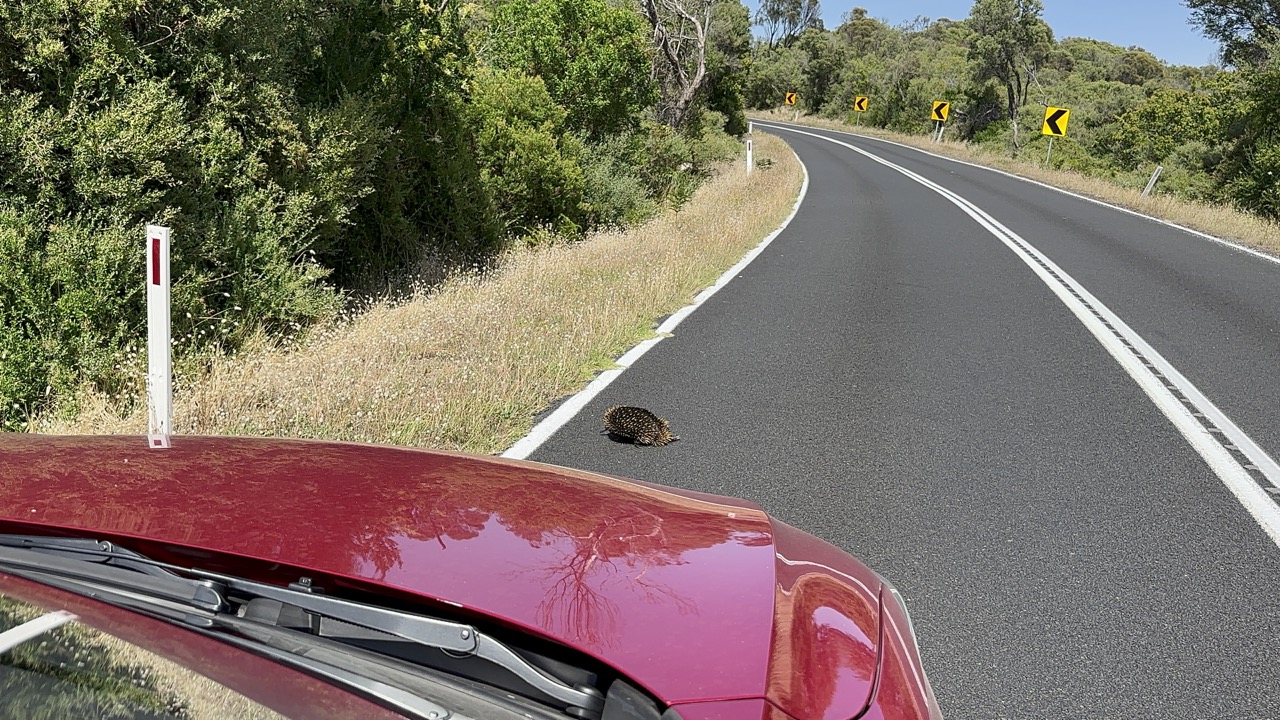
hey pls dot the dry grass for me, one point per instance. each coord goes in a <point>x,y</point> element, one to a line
<point>1219,221</point>
<point>202,698</point>
<point>468,365</point>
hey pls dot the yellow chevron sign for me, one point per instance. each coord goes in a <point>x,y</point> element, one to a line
<point>860,103</point>
<point>941,110</point>
<point>1055,121</point>
<point>791,98</point>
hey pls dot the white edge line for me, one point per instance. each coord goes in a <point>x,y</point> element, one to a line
<point>1167,223</point>
<point>635,353</point>
<point>541,432</point>
<point>1232,474</point>
<point>32,629</point>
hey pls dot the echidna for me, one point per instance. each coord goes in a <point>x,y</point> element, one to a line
<point>637,425</point>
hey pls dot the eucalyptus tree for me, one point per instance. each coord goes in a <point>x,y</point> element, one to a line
<point>727,60</point>
<point>786,20</point>
<point>1012,41</point>
<point>681,29</point>
<point>1244,28</point>
<point>700,47</point>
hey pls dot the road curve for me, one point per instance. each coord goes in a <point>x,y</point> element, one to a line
<point>893,377</point>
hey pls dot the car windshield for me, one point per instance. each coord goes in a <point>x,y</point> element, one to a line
<point>54,667</point>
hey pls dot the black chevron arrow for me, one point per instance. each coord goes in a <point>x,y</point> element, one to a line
<point>1052,121</point>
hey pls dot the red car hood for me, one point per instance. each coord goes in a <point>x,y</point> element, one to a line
<point>697,598</point>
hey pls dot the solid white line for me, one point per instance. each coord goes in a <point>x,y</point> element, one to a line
<point>541,432</point>
<point>1219,458</point>
<point>1167,223</point>
<point>13,637</point>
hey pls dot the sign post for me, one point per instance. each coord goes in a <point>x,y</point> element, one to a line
<point>859,107</point>
<point>1152,182</point>
<point>1055,126</point>
<point>159,349</point>
<point>941,111</point>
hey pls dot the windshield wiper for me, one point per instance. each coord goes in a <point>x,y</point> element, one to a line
<point>206,600</point>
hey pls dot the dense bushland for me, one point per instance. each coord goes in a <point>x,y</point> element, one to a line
<point>303,149</point>
<point>1213,128</point>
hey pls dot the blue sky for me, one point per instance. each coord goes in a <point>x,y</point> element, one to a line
<point>1159,26</point>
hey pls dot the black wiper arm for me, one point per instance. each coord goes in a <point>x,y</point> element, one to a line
<point>210,592</point>
<point>257,640</point>
<point>193,594</point>
<point>458,638</point>
<point>101,551</point>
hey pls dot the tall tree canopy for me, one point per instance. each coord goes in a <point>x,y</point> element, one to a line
<point>785,20</point>
<point>1244,28</point>
<point>1012,41</point>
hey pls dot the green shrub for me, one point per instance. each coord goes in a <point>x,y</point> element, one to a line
<point>592,55</point>
<point>616,196</point>
<point>529,166</point>
<point>711,140</point>
<point>284,141</point>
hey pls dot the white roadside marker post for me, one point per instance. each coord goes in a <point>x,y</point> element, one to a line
<point>1152,183</point>
<point>750,153</point>
<point>159,349</point>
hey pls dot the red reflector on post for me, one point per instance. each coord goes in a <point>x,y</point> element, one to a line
<point>155,261</point>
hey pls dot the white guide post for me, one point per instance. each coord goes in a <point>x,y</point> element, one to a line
<point>10,639</point>
<point>159,349</point>
<point>750,154</point>
<point>1152,183</point>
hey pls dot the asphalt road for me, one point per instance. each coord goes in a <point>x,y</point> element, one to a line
<point>891,377</point>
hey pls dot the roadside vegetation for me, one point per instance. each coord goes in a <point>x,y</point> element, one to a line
<point>310,153</point>
<point>1212,128</point>
<point>466,364</point>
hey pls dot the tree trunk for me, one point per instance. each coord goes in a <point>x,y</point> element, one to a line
<point>1013,112</point>
<point>683,51</point>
